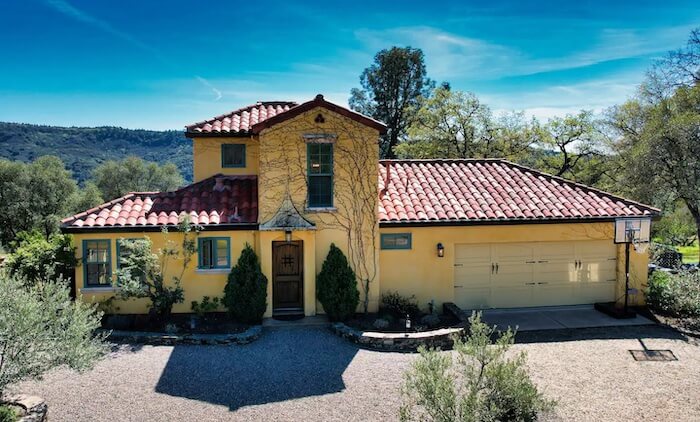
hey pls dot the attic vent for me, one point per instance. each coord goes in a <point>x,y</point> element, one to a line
<point>320,119</point>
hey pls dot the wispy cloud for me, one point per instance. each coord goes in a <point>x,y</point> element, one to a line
<point>73,12</point>
<point>450,55</point>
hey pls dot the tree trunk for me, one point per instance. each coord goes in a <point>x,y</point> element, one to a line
<point>695,212</point>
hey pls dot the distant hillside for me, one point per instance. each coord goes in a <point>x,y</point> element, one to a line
<point>83,148</point>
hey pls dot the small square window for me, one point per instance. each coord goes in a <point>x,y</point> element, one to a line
<point>233,155</point>
<point>396,241</point>
<point>214,252</point>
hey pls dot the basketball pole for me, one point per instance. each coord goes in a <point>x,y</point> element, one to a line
<point>627,273</point>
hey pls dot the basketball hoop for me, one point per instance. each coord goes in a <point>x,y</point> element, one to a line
<point>639,246</point>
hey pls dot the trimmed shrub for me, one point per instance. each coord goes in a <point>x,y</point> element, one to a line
<point>675,294</point>
<point>398,306</point>
<point>245,295</point>
<point>36,258</point>
<point>336,286</point>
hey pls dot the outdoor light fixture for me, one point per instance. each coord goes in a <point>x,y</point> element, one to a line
<point>440,250</point>
<point>288,236</point>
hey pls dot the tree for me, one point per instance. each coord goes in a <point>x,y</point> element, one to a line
<point>456,124</point>
<point>34,196</point>
<point>245,294</point>
<point>680,68</point>
<point>575,141</point>
<point>336,286</point>
<point>132,174</point>
<point>142,273</point>
<point>481,384</point>
<point>36,258</point>
<point>391,90</point>
<point>677,226</point>
<point>660,143</point>
<point>88,197</point>
<point>41,328</point>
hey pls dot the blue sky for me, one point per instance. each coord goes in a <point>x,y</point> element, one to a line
<point>161,65</point>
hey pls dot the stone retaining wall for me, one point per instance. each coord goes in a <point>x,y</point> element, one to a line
<point>163,339</point>
<point>34,409</point>
<point>442,338</point>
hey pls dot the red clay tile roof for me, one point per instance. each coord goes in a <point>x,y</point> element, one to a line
<point>241,121</point>
<point>254,118</point>
<point>214,201</point>
<point>449,191</point>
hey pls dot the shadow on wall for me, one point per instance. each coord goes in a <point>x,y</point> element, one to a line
<point>281,365</point>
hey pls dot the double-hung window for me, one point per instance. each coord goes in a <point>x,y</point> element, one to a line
<point>320,172</point>
<point>214,252</point>
<point>97,263</point>
<point>232,155</point>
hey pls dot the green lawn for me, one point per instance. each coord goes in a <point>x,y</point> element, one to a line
<point>690,253</point>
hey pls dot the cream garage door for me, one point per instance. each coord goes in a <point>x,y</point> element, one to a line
<point>512,275</point>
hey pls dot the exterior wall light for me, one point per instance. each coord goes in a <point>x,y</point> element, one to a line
<point>440,250</point>
<point>288,236</point>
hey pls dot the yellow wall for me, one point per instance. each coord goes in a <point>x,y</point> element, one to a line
<point>355,152</point>
<point>420,272</point>
<point>196,283</point>
<point>207,157</point>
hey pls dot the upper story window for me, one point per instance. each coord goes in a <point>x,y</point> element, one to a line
<point>97,263</point>
<point>232,155</point>
<point>320,171</point>
<point>214,252</point>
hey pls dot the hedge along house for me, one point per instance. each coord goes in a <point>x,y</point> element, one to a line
<point>291,179</point>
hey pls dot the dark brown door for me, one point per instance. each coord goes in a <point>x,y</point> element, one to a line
<point>287,277</point>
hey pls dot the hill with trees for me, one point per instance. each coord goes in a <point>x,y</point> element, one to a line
<point>84,148</point>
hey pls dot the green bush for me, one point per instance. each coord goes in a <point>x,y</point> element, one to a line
<point>480,384</point>
<point>398,306</point>
<point>41,328</point>
<point>336,286</point>
<point>675,294</point>
<point>205,306</point>
<point>8,414</point>
<point>37,258</point>
<point>245,295</point>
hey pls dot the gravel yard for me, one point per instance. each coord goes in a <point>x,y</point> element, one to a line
<point>309,374</point>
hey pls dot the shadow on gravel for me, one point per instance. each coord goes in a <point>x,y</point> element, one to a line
<point>602,333</point>
<point>283,364</point>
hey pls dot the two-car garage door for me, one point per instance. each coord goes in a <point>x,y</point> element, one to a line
<point>511,275</point>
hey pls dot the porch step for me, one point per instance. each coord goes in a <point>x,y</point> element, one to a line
<point>309,321</point>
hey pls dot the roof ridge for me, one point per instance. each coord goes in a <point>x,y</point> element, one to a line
<point>241,110</point>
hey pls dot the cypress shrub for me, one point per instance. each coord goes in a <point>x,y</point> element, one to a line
<point>245,295</point>
<point>336,286</point>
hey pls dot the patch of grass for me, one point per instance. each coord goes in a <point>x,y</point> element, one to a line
<point>690,253</point>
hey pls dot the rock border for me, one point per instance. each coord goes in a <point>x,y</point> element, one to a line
<point>35,408</point>
<point>165,339</point>
<point>399,342</point>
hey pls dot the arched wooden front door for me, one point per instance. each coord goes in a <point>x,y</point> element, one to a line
<point>287,278</point>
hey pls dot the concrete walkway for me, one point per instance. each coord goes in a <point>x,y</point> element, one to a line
<point>556,318</point>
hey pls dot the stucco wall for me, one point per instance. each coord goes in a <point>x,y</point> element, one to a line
<point>420,272</point>
<point>283,164</point>
<point>206,153</point>
<point>196,283</point>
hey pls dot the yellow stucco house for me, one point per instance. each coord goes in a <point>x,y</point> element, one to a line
<point>290,179</point>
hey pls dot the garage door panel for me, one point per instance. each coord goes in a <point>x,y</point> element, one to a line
<point>535,274</point>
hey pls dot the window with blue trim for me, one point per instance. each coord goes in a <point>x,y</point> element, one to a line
<point>214,252</point>
<point>97,263</point>
<point>233,155</point>
<point>396,240</point>
<point>320,172</point>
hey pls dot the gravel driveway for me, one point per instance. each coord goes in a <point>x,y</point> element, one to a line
<point>309,374</point>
